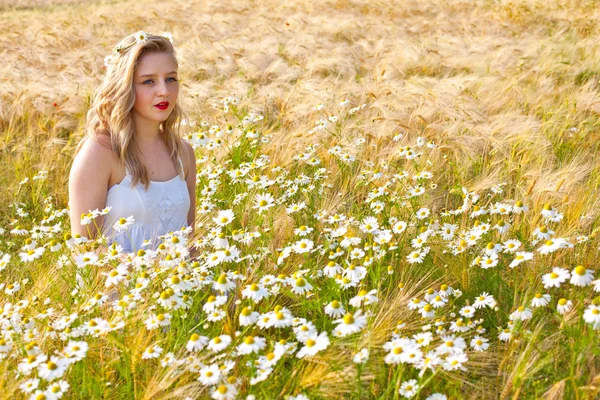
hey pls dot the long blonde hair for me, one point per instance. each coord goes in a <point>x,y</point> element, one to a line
<point>110,112</point>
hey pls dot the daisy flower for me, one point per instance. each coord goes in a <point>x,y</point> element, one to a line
<point>591,315</point>
<point>140,36</point>
<point>350,323</point>
<point>210,375</point>
<point>543,233</point>
<point>364,296</point>
<point>448,231</point>
<point>439,301</point>
<point>361,357</point>
<point>399,227</point>
<point>416,257</point>
<point>551,245</point>
<point>581,276</point>
<point>540,300</point>
<point>335,309</point>
<point>251,344</point>
<point>219,343</point>
<point>455,361</point>
<point>225,392</point>
<point>369,225</point>
<point>354,272</point>
<point>263,202</point>
<point>502,226</point>
<point>556,277</point>
<point>489,261</point>
<point>467,311</point>
<point>58,389</point>
<point>53,369</point>
<point>521,313</point>
<point>213,302</point>
<point>563,306</point>
<point>313,345</point>
<point>300,286</point>
<point>409,388</point>
<point>248,317</point>
<point>123,224</point>
<point>479,343</point>
<point>505,335</point>
<point>224,218</point>
<point>29,385</point>
<point>511,245</point>
<point>520,257</point>
<point>519,207</point>
<point>282,318</point>
<point>303,230</point>
<point>32,254</point>
<point>255,292</point>
<point>422,213</point>
<point>427,311</point>
<point>158,320</point>
<point>303,246</point>
<point>416,303</point>
<point>451,344</point>
<point>551,214</point>
<point>223,284</point>
<point>88,258</point>
<point>437,396</point>
<point>4,261</point>
<point>295,207</point>
<point>168,36</point>
<point>196,342</point>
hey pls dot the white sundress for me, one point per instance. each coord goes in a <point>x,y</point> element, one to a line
<point>158,211</point>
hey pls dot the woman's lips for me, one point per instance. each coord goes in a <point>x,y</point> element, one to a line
<point>162,106</point>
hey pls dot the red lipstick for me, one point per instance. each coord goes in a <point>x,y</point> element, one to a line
<point>162,106</point>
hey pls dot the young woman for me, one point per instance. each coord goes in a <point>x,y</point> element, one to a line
<point>133,158</point>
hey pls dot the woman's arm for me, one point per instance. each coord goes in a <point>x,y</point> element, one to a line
<point>88,182</point>
<point>190,180</point>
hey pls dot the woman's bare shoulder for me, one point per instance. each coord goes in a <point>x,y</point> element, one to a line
<point>95,156</point>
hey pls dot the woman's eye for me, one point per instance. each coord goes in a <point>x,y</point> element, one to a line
<point>150,80</point>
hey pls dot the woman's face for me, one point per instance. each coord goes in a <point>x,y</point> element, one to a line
<point>156,86</point>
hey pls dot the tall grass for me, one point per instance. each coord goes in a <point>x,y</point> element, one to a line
<point>507,92</point>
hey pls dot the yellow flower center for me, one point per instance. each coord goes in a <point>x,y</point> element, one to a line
<point>300,282</point>
<point>348,319</point>
<point>580,270</point>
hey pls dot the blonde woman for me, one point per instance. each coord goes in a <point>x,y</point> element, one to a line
<point>133,158</point>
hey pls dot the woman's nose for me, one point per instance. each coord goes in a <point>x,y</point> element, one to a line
<point>163,89</point>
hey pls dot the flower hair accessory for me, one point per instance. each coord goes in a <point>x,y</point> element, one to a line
<point>140,37</point>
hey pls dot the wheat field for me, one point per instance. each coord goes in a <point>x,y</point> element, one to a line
<point>395,200</point>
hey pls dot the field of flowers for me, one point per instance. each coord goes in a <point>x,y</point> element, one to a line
<point>394,201</point>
